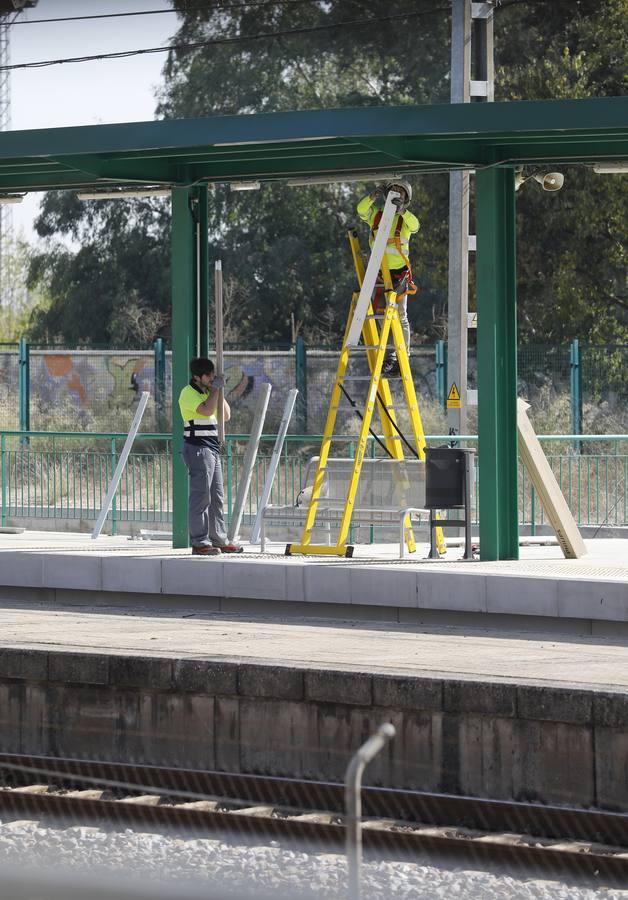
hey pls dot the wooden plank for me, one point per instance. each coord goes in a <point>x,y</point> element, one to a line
<point>548,489</point>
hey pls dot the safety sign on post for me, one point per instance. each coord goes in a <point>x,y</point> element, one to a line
<point>453,397</point>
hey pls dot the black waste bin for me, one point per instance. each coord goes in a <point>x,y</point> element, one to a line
<point>445,469</point>
<point>448,481</point>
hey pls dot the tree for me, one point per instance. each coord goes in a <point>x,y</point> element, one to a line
<point>284,249</point>
<point>18,301</point>
<point>573,257</point>
<point>114,274</point>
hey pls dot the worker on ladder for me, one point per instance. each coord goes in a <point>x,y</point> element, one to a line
<point>404,224</point>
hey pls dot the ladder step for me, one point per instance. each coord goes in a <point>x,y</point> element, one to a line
<point>370,347</point>
<point>368,378</point>
<point>378,316</point>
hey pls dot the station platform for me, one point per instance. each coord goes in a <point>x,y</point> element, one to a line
<point>542,590</point>
<point>133,652</point>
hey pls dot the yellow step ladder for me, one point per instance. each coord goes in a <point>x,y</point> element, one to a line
<point>363,322</point>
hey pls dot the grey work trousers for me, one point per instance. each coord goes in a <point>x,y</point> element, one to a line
<point>402,306</point>
<point>206,521</point>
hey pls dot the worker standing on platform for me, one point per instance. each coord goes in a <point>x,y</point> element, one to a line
<point>198,402</point>
<point>404,224</point>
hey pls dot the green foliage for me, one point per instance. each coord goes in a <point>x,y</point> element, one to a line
<point>17,301</point>
<point>572,252</point>
<point>285,254</point>
<point>111,286</point>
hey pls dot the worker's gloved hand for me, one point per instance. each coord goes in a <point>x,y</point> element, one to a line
<point>379,196</point>
<point>218,382</point>
<point>400,202</point>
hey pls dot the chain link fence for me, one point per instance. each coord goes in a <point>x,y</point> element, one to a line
<point>571,388</point>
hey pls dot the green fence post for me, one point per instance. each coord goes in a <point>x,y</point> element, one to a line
<point>24,385</point>
<point>575,367</point>
<point>300,354</point>
<point>3,449</point>
<point>441,374</point>
<point>160,382</point>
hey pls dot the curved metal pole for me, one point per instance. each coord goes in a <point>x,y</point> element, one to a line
<point>353,802</point>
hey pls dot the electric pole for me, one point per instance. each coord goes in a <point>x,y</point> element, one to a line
<point>472,77</point>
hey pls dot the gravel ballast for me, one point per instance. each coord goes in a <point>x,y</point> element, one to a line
<point>268,868</point>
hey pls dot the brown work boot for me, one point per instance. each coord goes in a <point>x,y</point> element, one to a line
<point>231,548</point>
<point>205,550</point>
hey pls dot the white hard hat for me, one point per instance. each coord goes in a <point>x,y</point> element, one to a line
<point>404,184</point>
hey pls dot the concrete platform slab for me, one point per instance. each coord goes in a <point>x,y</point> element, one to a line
<point>585,595</point>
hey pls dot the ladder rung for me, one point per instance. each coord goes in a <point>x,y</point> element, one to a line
<point>368,378</point>
<point>370,347</point>
<point>378,316</point>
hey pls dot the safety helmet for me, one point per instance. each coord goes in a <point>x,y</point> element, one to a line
<point>404,184</point>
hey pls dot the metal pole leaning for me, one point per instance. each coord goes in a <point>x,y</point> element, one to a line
<point>249,461</point>
<point>274,464</point>
<point>117,475</point>
<point>219,347</point>
<point>372,269</point>
<point>353,803</point>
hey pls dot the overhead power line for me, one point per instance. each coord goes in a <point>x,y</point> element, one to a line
<point>256,4</point>
<point>125,54</point>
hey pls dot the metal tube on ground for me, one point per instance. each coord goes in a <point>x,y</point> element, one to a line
<point>353,802</point>
<point>117,475</point>
<point>274,464</point>
<point>249,461</point>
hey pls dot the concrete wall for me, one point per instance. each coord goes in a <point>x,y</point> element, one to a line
<point>496,740</point>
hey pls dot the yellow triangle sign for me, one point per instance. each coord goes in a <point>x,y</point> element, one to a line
<point>453,397</point>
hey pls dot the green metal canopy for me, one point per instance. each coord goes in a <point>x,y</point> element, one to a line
<point>188,155</point>
<point>314,143</point>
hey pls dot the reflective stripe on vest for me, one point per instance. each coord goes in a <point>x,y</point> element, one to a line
<point>195,428</point>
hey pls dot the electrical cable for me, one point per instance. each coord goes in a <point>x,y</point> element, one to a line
<point>359,414</point>
<point>125,54</point>
<point>258,4</point>
<point>396,427</point>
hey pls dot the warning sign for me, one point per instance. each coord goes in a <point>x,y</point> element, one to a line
<point>453,397</point>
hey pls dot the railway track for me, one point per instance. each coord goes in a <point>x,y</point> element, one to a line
<point>524,837</point>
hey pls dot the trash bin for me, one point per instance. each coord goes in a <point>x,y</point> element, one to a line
<point>445,469</point>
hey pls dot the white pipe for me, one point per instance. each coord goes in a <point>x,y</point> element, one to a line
<point>372,269</point>
<point>117,475</point>
<point>249,461</point>
<point>274,464</point>
<point>353,802</point>
<point>220,357</point>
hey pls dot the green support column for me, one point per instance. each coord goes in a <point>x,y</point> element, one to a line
<point>203,269</point>
<point>497,363</point>
<point>184,315</point>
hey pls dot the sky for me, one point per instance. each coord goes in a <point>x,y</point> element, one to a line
<point>91,93</point>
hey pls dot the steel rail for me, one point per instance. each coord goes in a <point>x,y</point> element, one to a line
<point>398,823</point>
